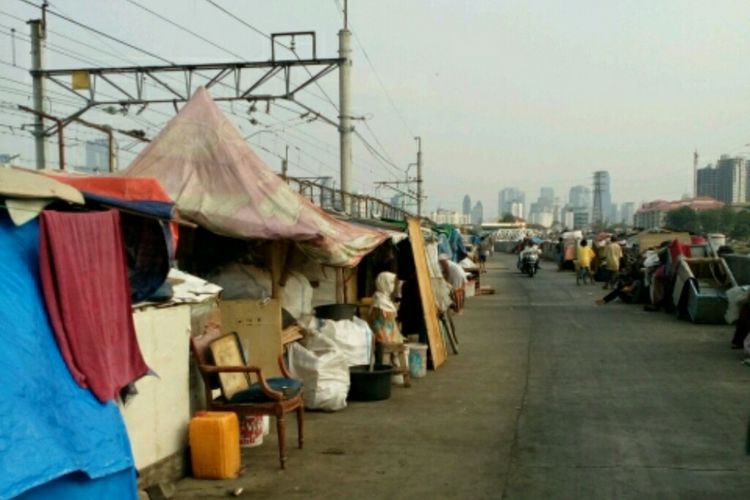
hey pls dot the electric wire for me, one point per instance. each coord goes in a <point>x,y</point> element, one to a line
<point>151,54</point>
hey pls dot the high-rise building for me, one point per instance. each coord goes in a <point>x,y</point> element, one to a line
<point>442,216</point>
<point>579,197</point>
<point>602,197</point>
<point>546,196</point>
<point>467,205</point>
<point>509,201</point>
<point>727,181</point>
<point>627,211</point>
<point>477,214</point>
<point>543,205</point>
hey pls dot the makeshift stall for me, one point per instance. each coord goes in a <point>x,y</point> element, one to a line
<point>242,206</point>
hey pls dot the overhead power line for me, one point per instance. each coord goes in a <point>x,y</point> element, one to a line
<point>377,75</point>
<point>182,28</point>
<point>100,33</point>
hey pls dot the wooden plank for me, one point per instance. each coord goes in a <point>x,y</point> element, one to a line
<point>258,324</point>
<point>434,337</point>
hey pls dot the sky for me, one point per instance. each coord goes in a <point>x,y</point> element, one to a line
<point>503,93</point>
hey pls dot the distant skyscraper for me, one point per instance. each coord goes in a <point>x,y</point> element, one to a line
<point>477,214</point>
<point>546,196</point>
<point>727,181</point>
<point>627,211</point>
<point>602,197</point>
<point>511,201</point>
<point>580,197</point>
<point>467,205</point>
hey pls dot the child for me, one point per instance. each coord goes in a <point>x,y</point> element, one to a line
<point>583,262</point>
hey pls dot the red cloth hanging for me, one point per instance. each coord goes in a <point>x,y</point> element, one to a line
<point>86,290</point>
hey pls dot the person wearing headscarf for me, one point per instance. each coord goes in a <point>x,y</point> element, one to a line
<point>383,311</point>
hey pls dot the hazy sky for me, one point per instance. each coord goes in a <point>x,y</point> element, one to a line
<point>504,93</point>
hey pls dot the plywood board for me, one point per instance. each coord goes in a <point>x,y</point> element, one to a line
<point>258,324</point>
<point>434,337</point>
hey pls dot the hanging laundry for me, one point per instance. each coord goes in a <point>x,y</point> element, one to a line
<point>85,285</point>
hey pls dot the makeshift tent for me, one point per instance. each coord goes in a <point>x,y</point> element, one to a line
<point>218,182</point>
<point>57,440</point>
<point>146,209</point>
<point>142,195</point>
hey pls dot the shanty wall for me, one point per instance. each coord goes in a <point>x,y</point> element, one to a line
<point>157,418</point>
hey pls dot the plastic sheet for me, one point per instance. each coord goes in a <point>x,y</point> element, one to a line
<point>50,426</point>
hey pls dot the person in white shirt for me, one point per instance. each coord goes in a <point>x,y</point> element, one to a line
<point>456,278</point>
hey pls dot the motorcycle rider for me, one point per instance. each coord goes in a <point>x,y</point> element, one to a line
<point>530,248</point>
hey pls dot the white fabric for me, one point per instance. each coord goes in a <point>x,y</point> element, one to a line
<point>385,285</point>
<point>241,281</point>
<point>323,371</point>
<point>456,275</point>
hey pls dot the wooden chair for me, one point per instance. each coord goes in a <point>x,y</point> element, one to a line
<point>267,396</point>
<point>393,352</point>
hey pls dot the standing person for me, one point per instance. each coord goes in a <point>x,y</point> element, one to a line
<point>584,255</point>
<point>456,278</point>
<point>613,255</point>
<point>484,253</point>
<point>560,253</point>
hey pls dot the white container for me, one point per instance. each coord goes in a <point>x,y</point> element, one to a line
<point>251,431</point>
<point>266,425</point>
<point>717,240</point>
<point>417,360</point>
<point>471,288</point>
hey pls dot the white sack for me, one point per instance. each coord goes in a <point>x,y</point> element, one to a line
<point>323,371</point>
<point>242,281</point>
<point>353,338</point>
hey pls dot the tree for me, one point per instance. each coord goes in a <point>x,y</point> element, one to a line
<point>508,217</point>
<point>710,220</point>
<point>741,228</point>
<point>728,216</point>
<point>683,219</point>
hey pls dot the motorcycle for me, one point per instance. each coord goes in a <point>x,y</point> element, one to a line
<point>530,263</point>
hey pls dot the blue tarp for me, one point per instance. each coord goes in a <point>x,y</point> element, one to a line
<point>49,426</point>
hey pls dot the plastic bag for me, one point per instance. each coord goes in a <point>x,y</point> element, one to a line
<point>242,281</point>
<point>323,371</point>
<point>353,338</point>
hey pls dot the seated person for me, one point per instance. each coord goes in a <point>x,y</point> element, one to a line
<point>383,312</point>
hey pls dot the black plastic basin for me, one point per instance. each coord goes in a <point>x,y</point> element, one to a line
<point>369,385</point>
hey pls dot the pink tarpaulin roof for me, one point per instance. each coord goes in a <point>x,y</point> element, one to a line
<point>218,182</point>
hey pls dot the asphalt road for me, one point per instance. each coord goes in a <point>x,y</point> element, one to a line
<point>551,396</point>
